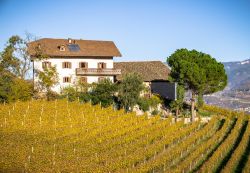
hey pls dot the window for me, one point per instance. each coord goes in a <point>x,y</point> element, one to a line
<point>101,65</point>
<point>83,65</point>
<point>83,80</point>
<point>62,48</point>
<point>46,64</point>
<point>66,65</point>
<point>66,80</point>
<point>100,79</point>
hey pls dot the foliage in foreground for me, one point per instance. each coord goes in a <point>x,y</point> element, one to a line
<point>61,136</point>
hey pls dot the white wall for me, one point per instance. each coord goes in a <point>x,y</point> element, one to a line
<point>65,72</point>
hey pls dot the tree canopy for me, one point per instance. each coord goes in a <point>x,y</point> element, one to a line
<point>129,90</point>
<point>47,79</point>
<point>198,72</point>
<point>14,67</point>
<point>15,57</point>
<point>103,92</point>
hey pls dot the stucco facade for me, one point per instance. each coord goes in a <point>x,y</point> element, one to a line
<point>71,72</point>
<point>87,61</point>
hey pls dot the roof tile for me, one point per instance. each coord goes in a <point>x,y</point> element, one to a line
<point>50,47</point>
<point>148,70</point>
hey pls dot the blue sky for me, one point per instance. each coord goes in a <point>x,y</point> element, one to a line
<point>142,30</point>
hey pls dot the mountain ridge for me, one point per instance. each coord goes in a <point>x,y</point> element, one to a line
<point>238,73</point>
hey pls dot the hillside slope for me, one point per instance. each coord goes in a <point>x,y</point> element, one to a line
<point>60,136</point>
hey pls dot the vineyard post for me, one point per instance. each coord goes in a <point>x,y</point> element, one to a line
<point>25,167</point>
<point>96,156</point>
<point>24,116</point>
<point>41,116</point>
<point>53,156</point>
<point>5,122</point>
<point>55,119</point>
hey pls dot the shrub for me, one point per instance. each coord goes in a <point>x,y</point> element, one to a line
<point>155,100</point>
<point>103,93</point>
<point>84,97</point>
<point>129,90</point>
<point>143,104</point>
<point>155,112</point>
<point>70,93</point>
<point>51,95</point>
<point>13,89</point>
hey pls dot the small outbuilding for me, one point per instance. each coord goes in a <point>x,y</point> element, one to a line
<point>154,74</point>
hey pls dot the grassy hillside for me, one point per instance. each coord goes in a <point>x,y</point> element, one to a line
<point>58,136</point>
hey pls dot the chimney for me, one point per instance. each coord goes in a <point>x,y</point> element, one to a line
<point>70,40</point>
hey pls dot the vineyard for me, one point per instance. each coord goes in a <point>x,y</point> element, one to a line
<point>61,136</point>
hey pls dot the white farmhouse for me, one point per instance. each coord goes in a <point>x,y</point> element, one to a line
<point>85,60</point>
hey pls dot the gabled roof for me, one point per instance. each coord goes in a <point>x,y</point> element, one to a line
<point>88,48</point>
<point>148,70</point>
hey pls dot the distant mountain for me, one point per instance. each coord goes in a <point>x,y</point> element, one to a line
<point>238,74</point>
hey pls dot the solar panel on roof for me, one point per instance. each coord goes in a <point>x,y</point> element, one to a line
<point>73,47</point>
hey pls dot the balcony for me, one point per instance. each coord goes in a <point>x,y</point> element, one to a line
<point>98,71</point>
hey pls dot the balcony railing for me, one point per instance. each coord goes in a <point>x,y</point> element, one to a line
<point>97,71</point>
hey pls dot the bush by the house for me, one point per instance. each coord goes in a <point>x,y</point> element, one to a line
<point>143,104</point>
<point>129,90</point>
<point>103,93</point>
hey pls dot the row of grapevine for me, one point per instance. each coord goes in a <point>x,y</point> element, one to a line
<point>215,161</point>
<point>187,145</point>
<point>204,150</point>
<point>234,161</point>
<point>62,136</point>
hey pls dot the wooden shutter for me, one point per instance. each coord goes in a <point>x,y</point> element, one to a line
<point>66,65</point>
<point>83,65</point>
<point>83,79</point>
<point>66,80</point>
<point>46,64</point>
<point>102,65</point>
